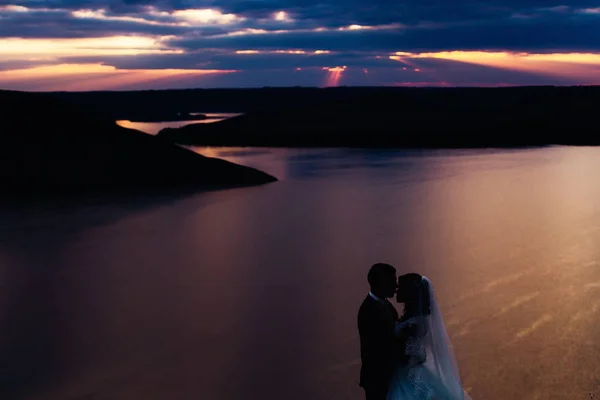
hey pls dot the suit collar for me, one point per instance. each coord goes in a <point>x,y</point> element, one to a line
<point>371,295</point>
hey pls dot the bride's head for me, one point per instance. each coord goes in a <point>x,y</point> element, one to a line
<point>414,292</point>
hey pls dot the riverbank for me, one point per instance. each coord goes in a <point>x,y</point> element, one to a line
<point>67,151</point>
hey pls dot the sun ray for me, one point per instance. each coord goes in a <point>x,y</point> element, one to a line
<point>334,75</point>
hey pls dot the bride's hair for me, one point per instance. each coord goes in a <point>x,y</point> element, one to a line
<point>416,292</point>
<point>425,293</point>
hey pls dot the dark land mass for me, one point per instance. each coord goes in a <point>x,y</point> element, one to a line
<point>444,118</point>
<point>371,117</point>
<point>51,148</point>
<point>162,117</point>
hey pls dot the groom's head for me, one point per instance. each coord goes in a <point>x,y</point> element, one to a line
<point>382,279</point>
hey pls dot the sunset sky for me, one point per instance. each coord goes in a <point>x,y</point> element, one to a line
<point>140,44</point>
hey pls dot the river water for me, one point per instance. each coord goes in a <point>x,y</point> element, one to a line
<point>153,128</point>
<point>253,293</point>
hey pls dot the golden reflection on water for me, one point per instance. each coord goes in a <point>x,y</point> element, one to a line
<point>272,162</point>
<point>153,128</point>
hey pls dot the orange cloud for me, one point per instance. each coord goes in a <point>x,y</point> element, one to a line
<point>188,17</point>
<point>206,16</point>
<point>252,31</point>
<point>356,27</point>
<point>590,10</point>
<point>584,66</point>
<point>19,48</point>
<point>335,69</point>
<point>290,52</point>
<point>297,52</point>
<point>11,8</point>
<point>282,16</point>
<point>92,77</point>
<point>101,15</point>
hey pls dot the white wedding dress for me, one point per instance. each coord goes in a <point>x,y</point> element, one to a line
<point>432,371</point>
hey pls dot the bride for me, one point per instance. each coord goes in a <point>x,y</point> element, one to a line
<point>429,370</point>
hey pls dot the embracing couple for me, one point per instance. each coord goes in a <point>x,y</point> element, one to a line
<point>408,357</point>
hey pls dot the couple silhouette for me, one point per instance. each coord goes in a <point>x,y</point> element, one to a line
<point>408,356</point>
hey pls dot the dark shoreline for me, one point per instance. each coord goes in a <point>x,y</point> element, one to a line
<point>70,152</point>
<point>169,118</point>
<point>368,117</point>
<point>364,117</point>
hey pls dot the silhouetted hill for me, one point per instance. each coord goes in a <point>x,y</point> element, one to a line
<point>166,117</point>
<point>398,117</point>
<point>50,147</point>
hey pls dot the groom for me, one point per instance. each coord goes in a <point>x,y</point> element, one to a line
<point>379,348</point>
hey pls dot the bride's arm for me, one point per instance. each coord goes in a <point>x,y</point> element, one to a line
<point>410,334</point>
<point>399,327</point>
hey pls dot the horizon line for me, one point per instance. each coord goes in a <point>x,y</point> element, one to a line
<point>388,87</point>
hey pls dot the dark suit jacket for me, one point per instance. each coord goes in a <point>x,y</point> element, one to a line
<point>380,350</point>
